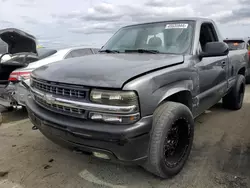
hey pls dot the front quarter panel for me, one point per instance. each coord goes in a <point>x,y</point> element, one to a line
<point>153,88</point>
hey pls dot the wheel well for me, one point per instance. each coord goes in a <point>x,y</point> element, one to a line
<point>242,71</point>
<point>183,97</point>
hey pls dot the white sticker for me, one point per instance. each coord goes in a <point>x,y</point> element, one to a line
<point>176,26</point>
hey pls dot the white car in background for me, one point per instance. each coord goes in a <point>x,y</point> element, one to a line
<point>19,92</point>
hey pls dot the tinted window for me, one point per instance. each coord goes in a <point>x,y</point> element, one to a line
<point>207,34</point>
<point>80,52</point>
<point>44,52</point>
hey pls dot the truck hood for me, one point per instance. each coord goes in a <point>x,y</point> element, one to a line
<point>104,70</point>
<point>18,41</point>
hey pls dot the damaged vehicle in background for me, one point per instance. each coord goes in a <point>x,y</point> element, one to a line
<point>21,50</point>
<point>242,44</point>
<point>19,77</point>
<point>136,101</point>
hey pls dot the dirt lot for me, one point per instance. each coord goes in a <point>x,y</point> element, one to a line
<point>220,157</point>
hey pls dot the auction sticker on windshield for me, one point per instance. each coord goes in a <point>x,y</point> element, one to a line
<point>176,26</point>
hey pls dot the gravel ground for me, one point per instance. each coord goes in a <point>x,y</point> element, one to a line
<point>220,157</point>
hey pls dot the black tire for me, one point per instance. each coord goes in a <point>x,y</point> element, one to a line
<point>166,118</point>
<point>247,79</point>
<point>234,99</point>
<point>10,109</point>
<point>24,109</point>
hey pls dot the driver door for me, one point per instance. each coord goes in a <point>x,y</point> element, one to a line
<point>212,72</point>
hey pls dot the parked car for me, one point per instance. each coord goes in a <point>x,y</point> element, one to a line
<point>21,50</point>
<point>240,44</point>
<point>136,101</point>
<point>19,92</point>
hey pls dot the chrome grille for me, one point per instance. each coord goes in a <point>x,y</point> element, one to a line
<point>59,108</point>
<point>57,89</point>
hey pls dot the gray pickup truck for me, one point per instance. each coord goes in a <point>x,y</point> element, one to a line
<point>136,101</point>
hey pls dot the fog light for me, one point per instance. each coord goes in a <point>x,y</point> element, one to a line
<point>103,117</point>
<point>101,155</point>
<point>113,118</point>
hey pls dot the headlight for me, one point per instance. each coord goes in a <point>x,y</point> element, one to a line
<point>115,98</point>
<point>126,102</point>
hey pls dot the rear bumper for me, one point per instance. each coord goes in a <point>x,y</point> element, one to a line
<point>124,143</point>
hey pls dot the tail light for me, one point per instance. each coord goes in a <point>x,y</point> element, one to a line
<point>16,75</point>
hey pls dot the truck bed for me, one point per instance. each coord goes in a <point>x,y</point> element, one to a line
<point>239,56</point>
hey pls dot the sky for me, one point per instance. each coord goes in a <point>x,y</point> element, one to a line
<point>65,23</point>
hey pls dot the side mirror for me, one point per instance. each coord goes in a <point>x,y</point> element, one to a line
<point>213,49</point>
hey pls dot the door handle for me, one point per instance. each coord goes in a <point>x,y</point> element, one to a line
<point>223,64</point>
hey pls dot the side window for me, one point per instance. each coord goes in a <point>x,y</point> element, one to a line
<point>81,52</point>
<point>68,56</point>
<point>207,34</point>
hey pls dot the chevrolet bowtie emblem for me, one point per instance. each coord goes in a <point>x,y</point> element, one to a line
<point>49,98</point>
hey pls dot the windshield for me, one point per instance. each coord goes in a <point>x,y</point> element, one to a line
<point>164,37</point>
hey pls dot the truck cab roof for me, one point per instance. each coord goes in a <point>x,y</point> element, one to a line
<point>196,19</point>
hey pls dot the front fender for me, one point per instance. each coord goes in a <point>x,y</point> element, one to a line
<point>151,93</point>
<point>176,87</point>
<point>153,88</point>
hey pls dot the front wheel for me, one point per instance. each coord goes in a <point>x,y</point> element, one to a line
<point>171,139</point>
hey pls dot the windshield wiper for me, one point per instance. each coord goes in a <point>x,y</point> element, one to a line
<point>141,50</point>
<point>109,51</point>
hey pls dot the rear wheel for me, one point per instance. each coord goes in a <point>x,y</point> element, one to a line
<point>234,99</point>
<point>171,139</point>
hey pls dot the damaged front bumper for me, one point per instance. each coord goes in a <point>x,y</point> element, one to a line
<point>120,143</point>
